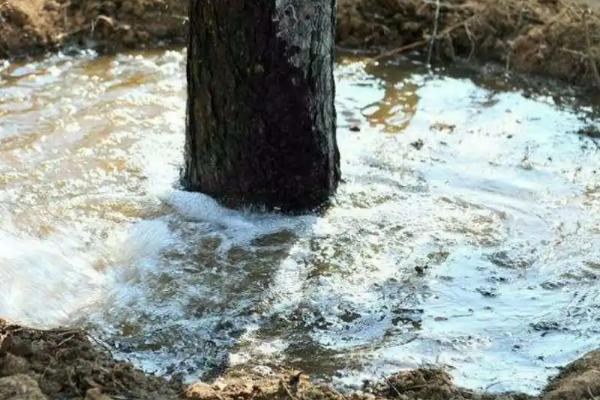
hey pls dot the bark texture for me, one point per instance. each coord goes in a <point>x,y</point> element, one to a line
<point>261,115</point>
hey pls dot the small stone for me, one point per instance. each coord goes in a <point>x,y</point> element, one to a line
<point>418,144</point>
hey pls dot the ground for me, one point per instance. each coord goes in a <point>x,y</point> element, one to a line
<point>70,364</point>
<point>556,38</point>
<point>31,27</point>
<point>67,364</point>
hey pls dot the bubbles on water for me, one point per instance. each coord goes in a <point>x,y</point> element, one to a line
<point>144,240</point>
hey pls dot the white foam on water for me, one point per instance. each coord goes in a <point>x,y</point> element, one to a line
<point>237,227</point>
<point>44,282</point>
<point>143,241</point>
<point>53,281</point>
<point>200,207</point>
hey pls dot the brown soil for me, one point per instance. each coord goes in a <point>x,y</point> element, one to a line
<point>65,364</point>
<point>423,384</point>
<point>578,380</point>
<point>557,38</point>
<point>30,27</point>
<point>69,364</point>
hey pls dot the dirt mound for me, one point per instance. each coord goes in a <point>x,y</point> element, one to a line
<point>423,384</point>
<point>260,386</point>
<point>559,38</point>
<point>22,28</point>
<point>65,364</point>
<point>578,380</point>
<point>432,384</point>
<point>29,27</point>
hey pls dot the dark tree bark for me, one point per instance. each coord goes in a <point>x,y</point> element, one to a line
<point>261,116</point>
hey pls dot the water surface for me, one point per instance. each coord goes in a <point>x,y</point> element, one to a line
<point>464,235</point>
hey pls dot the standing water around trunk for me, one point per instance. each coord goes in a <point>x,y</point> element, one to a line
<point>464,235</point>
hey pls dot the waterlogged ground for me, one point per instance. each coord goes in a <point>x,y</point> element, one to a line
<point>464,235</point>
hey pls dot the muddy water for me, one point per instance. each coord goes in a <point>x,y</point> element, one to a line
<point>464,236</point>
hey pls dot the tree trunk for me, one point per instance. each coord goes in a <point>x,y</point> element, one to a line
<point>261,117</point>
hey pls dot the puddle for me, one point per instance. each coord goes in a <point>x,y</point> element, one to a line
<point>463,235</point>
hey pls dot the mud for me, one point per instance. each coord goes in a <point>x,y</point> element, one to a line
<point>66,364</point>
<point>69,364</point>
<point>556,38</point>
<point>578,380</point>
<point>424,384</point>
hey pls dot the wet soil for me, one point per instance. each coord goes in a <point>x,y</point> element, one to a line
<point>557,38</point>
<point>70,364</point>
<point>425,384</point>
<point>578,380</point>
<point>66,364</point>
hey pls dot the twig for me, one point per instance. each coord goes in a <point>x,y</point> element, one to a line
<point>435,32</point>
<point>573,52</point>
<point>65,341</point>
<point>470,36</point>
<point>356,52</point>
<point>400,50</point>
<point>588,42</point>
<point>387,380</point>
<point>449,6</point>
<point>65,10</point>
<point>556,19</point>
<point>507,65</point>
<point>101,344</point>
<point>287,391</point>
<point>570,6</point>
<point>99,18</point>
<point>65,331</point>
<point>419,43</point>
<point>179,17</point>
<point>591,394</point>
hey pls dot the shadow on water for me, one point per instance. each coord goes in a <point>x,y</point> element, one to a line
<point>463,236</point>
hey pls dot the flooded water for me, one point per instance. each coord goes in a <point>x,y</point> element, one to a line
<point>464,235</point>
